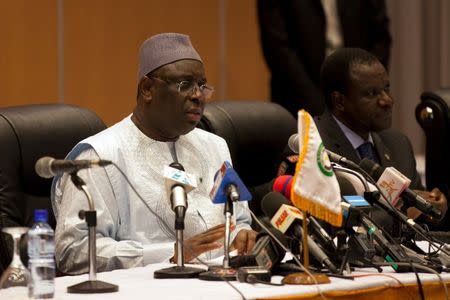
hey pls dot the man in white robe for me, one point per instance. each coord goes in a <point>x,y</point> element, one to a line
<point>172,90</point>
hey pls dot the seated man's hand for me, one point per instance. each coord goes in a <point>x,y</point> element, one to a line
<point>435,197</point>
<point>244,241</point>
<point>206,241</point>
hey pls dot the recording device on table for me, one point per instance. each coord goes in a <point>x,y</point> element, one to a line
<point>48,167</point>
<point>265,253</point>
<point>228,189</point>
<point>265,256</point>
<point>178,184</point>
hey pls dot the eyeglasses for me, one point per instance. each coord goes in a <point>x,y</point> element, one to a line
<point>187,87</point>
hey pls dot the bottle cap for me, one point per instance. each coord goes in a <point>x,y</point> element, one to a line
<point>40,215</point>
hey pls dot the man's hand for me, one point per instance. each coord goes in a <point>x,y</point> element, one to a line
<point>435,197</point>
<point>203,242</point>
<point>244,241</point>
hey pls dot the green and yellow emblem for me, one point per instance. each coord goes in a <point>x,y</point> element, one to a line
<point>323,161</point>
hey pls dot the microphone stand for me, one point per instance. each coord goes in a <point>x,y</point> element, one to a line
<point>180,270</point>
<point>225,272</point>
<point>91,286</point>
<point>309,277</point>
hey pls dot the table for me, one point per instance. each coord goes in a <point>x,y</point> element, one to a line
<point>138,283</point>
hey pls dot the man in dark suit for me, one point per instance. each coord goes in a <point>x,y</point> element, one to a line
<point>358,118</point>
<point>296,36</point>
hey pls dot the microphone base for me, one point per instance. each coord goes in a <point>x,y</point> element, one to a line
<point>92,287</point>
<point>177,272</point>
<point>305,279</point>
<point>219,273</point>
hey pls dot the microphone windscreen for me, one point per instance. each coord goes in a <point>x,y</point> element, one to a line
<point>43,167</point>
<point>283,185</point>
<point>272,202</point>
<point>371,167</point>
<point>293,143</point>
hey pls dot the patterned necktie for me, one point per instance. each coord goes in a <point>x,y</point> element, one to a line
<point>367,150</point>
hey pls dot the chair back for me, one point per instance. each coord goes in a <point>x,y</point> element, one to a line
<point>256,133</point>
<point>28,133</point>
<point>433,115</point>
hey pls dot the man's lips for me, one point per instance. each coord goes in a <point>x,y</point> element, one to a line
<point>194,114</point>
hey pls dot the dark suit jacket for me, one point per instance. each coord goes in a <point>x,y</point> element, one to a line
<point>393,148</point>
<point>293,41</point>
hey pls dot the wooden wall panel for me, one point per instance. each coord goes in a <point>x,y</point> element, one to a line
<point>28,52</point>
<point>102,40</point>
<point>247,74</point>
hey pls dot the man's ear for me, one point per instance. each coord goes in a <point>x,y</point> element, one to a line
<point>338,100</point>
<point>145,89</point>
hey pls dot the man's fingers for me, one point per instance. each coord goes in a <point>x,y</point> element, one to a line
<point>244,241</point>
<point>193,250</point>
<point>217,227</point>
<point>206,241</point>
<point>209,246</point>
<point>208,236</point>
<point>251,240</point>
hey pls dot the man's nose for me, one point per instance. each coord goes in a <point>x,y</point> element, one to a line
<point>196,92</point>
<point>386,99</point>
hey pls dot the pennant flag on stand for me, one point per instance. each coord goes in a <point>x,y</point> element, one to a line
<point>315,188</point>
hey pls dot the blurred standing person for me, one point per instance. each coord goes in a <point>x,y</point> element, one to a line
<point>297,35</point>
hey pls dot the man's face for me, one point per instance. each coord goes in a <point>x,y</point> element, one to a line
<point>367,105</point>
<point>176,113</point>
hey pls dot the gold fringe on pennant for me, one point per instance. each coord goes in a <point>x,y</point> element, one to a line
<point>317,210</point>
<point>303,151</point>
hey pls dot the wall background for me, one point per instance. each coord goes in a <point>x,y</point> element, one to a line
<point>84,52</point>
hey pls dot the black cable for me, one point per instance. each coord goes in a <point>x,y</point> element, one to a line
<point>370,179</point>
<point>252,279</point>
<point>425,268</point>
<point>431,239</point>
<point>419,282</point>
<point>294,257</point>
<point>340,276</point>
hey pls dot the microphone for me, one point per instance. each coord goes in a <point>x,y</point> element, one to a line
<point>394,184</point>
<point>283,185</point>
<point>47,167</point>
<point>227,184</point>
<point>294,145</point>
<point>178,183</point>
<point>228,188</point>
<point>347,186</point>
<point>286,218</point>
